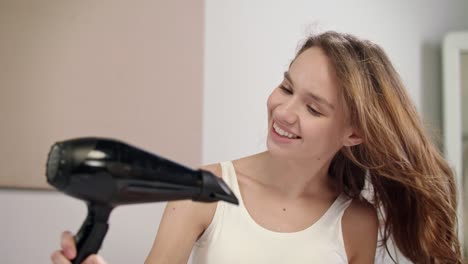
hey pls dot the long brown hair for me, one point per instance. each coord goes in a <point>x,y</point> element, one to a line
<point>414,187</point>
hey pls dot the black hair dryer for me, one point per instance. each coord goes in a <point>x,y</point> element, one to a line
<point>106,173</point>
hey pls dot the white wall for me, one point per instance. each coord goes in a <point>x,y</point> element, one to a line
<point>249,44</point>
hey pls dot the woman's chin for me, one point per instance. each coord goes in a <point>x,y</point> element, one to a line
<point>280,151</point>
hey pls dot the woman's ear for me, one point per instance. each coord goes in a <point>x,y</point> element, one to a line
<point>352,138</point>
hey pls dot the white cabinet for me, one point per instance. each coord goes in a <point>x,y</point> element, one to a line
<point>455,106</point>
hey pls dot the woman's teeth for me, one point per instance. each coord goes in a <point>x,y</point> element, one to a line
<point>283,133</point>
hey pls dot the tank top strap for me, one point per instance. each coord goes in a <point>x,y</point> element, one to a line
<point>213,230</point>
<point>229,176</point>
<point>336,210</point>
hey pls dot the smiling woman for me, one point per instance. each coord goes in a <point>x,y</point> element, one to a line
<point>340,115</point>
<point>307,103</point>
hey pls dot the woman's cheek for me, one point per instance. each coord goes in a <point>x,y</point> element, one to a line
<point>270,102</point>
<point>274,99</point>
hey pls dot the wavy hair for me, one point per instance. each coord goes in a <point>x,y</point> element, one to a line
<point>414,187</point>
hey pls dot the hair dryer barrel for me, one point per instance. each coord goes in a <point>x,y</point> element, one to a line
<point>112,172</point>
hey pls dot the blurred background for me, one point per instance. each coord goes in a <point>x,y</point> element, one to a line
<point>187,80</point>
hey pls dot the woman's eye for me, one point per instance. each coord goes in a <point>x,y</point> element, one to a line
<point>313,111</point>
<point>285,90</point>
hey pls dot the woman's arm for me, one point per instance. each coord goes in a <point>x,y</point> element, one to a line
<point>181,225</point>
<point>360,226</point>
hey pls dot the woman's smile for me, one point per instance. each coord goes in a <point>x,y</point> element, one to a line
<point>280,135</point>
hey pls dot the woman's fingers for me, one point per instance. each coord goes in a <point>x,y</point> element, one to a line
<point>68,252</point>
<point>94,259</point>
<point>58,258</point>
<point>67,243</point>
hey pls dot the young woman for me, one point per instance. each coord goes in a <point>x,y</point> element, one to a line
<point>340,118</point>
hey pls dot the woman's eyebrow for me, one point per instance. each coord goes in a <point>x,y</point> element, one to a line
<point>315,97</point>
<point>288,77</point>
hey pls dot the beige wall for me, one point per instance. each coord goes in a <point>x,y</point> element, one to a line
<point>131,70</point>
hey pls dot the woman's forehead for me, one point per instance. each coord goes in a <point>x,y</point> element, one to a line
<point>313,71</point>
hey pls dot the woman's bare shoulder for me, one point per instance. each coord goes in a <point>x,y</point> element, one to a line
<point>214,168</point>
<point>360,209</point>
<point>182,223</point>
<point>360,227</point>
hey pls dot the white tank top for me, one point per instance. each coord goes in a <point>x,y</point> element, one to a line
<point>234,237</point>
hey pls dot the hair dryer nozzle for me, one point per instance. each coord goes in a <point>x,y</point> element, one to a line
<point>214,189</point>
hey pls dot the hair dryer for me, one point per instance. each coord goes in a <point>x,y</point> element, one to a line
<point>106,173</point>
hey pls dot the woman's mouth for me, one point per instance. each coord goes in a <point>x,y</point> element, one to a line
<point>282,133</point>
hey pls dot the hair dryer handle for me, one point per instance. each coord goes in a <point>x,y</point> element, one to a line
<point>91,234</point>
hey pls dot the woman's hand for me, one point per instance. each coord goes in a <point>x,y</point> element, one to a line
<point>68,252</point>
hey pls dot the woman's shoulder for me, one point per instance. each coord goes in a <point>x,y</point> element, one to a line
<point>243,163</point>
<point>360,227</point>
<point>360,209</point>
<point>214,168</point>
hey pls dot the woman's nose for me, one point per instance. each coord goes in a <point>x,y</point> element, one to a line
<point>287,112</point>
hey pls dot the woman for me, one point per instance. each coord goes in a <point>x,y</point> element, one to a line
<point>340,116</point>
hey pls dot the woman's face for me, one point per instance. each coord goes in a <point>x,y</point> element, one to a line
<point>306,114</point>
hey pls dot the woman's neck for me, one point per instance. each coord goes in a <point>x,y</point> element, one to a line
<point>291,178</point>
